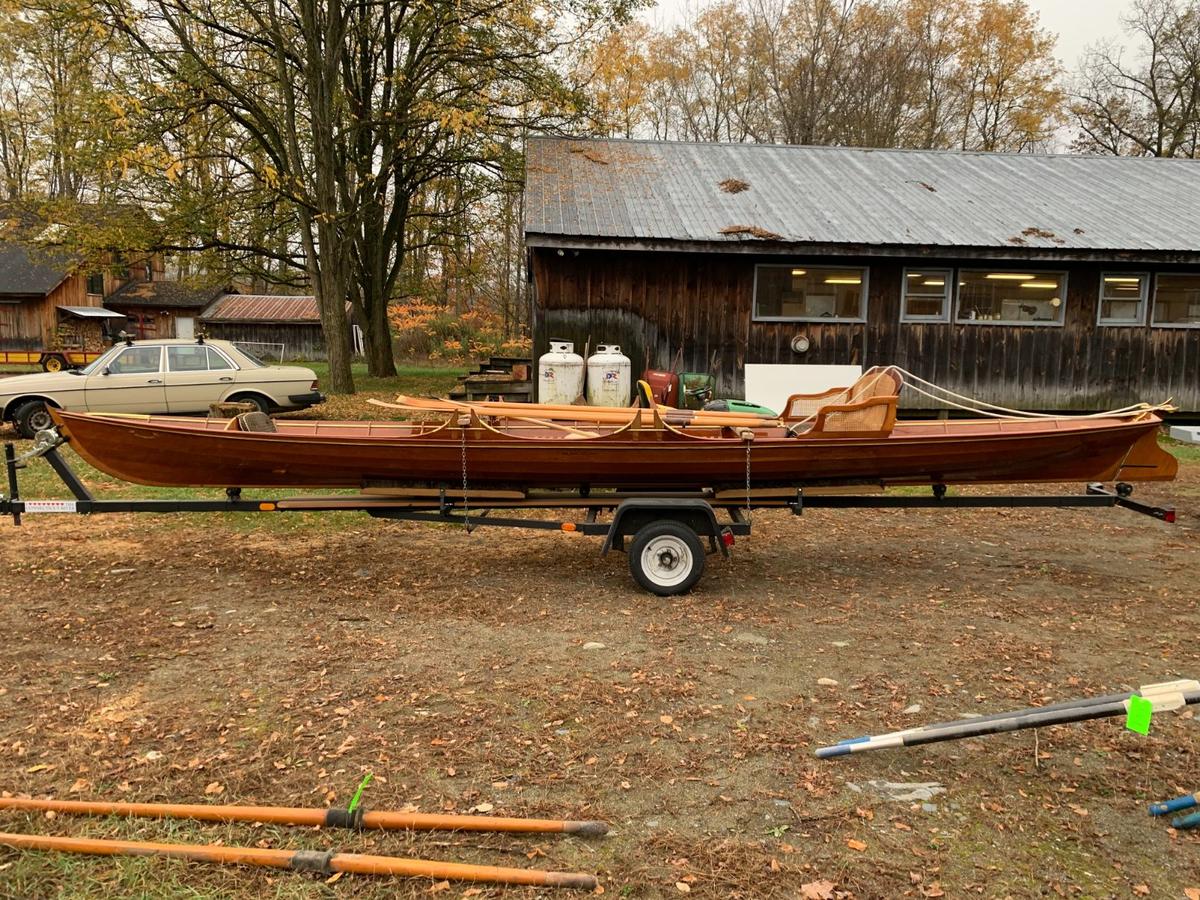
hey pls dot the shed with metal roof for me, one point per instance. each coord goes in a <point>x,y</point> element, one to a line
<point>1050,282</point>
<point>283,326</point>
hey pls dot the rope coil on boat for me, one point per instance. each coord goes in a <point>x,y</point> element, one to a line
<point>992,410</point>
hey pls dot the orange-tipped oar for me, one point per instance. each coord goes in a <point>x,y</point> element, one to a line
<point>324,863</point>
<point>594,414</point>
<point>330,818</point>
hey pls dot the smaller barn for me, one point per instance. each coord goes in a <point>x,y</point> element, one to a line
<point>282,327</point>
<point>46,301</point>
<point>162,309</point>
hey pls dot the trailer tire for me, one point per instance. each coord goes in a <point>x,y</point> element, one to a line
<point>54,362</point>
<point>31,417</point>
<point>666,558</point>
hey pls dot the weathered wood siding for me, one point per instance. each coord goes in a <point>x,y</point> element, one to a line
<point>22,324</point>
<point>32,322</point>
<point>299,341</point>
<point>653,303</point>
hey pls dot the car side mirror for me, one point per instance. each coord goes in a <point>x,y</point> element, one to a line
<point>106,371</point>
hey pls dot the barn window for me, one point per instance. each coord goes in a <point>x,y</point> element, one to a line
<point>95,283</point>
<point>926,295</point>
<point>801,293</point>
<point>1123,298</point>
<point>989,296</point>
<point>1177,301</point>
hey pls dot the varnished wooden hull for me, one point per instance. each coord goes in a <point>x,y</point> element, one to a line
<point>197,452</point>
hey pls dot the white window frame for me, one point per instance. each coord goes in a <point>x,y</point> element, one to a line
<point>947,294</point>
<point>1143,304</point>
<point>824,320</point>
<point>1020,323</point>
<point>1154,295</point>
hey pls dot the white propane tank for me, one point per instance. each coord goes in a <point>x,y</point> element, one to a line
<point>609,374</point>
<point>560,374</point>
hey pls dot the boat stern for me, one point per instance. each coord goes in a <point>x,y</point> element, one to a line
<point>1148,461</point>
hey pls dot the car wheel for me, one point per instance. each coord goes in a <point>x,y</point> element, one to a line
<point>260,402</point>
<point>32,417</point>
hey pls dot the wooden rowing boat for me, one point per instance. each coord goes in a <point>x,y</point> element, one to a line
<point>491,453</point>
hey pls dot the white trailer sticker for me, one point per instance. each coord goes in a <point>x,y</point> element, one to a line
<point>49,506</point>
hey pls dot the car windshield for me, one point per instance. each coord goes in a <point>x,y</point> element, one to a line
<point>97,364</point>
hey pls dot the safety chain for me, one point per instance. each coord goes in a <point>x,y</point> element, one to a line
<point>466,510</point>
<point>748,443</point>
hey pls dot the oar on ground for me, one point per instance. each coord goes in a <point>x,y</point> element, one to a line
<point>1162,697</point>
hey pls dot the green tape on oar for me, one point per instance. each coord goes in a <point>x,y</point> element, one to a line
<point>362,786</point>
<point>1138,717</point>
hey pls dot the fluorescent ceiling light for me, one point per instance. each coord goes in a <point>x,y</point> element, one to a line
<point>1004,276</point>
<point>916,275</point>
<point>1122,281</point>
<point>799,271</point>
<point>1039,284</point>
<point>933,283</point>
<point>843,281</point>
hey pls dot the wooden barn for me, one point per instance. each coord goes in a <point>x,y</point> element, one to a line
<point>284,327</point>
<point>1042,282</point>
<point>162,309</point>
<point>47,302</point>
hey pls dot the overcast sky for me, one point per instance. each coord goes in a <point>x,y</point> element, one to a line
<point>1078,23</point>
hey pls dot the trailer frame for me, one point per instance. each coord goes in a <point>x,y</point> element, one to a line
<point>666,555</point>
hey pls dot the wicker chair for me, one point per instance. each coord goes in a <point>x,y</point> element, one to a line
<point>865,408</point>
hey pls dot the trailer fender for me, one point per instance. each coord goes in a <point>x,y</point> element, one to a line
<point>635,513</point>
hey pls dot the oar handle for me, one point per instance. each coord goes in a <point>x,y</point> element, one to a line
<point>1187,801</point>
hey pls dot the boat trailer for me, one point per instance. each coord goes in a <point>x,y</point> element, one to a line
<point>666,531</point>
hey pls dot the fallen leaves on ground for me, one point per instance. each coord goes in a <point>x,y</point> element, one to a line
<point>817,890</point>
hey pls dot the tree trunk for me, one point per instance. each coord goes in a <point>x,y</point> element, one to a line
<point>381,361</point>
<point>335,326</point>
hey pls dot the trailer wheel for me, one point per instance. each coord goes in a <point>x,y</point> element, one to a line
<point>32,417</point>
<point>54,362</point>
<point>666,558</point>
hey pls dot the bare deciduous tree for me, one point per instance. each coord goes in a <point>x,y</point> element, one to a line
<point>1146,102</point>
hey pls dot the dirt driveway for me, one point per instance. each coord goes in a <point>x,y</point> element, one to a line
<point>198,659</point>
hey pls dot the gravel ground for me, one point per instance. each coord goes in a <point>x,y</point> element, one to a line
<point>234,659</point>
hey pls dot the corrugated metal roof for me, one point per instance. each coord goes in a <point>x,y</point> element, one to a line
<point>262,308</point>
<point>91,312</point>
<point>671,191</point>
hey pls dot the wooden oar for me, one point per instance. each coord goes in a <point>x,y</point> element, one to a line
<point>1162,697</point>
<point>287,815</point>
<point>596,414</point>
<point>323,863</point>
<point>546,423</point>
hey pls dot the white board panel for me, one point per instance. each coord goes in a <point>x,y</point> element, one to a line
<point>1184,433</point>
<point>770,385</point>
